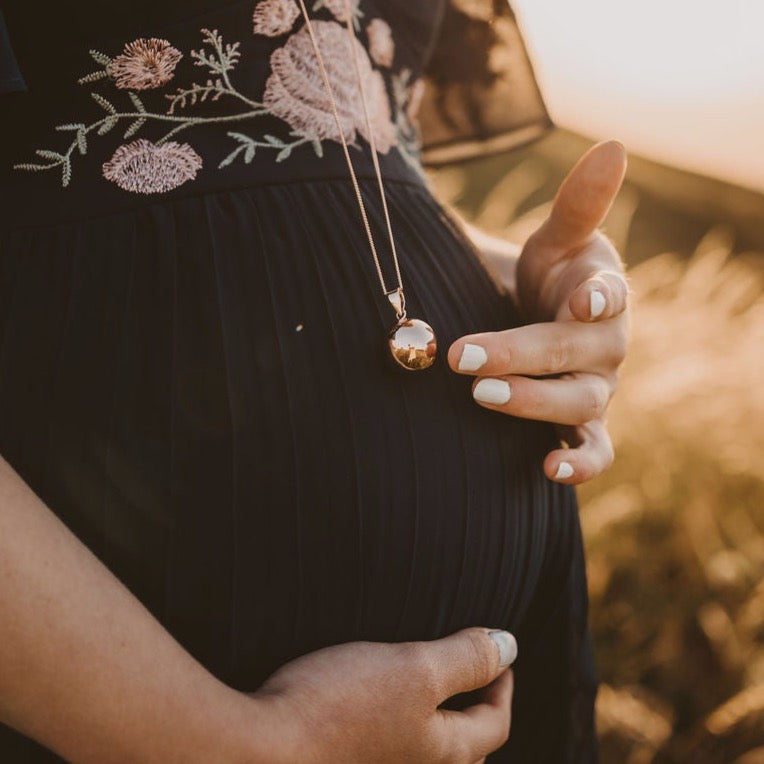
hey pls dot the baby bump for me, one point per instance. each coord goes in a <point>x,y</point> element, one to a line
<point>213,412</point>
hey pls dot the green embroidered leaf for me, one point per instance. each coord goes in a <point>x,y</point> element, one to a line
<point>66,172</point>
<point>32,167</point>
<point>137,102</point>
<point>103,103</point>
<point>318,148</point>
<point>222,59</point>
<point>284,153</point>
<point>71,126</point>
<point>240,137</point>
<point>82,143</point>
<point>231,156</point>
<point>100,58</point>
<point>45,154</point>
<point>249,154</point>
<point>93,77</point>
<point>107,125</point>
<point>273,140</point>
<point>134,127</point>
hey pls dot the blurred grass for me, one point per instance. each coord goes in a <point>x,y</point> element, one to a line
<point>675,529</point>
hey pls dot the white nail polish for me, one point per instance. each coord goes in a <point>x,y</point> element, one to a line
<point>494,391</point>
<point>597,303</point>
<point>507,645</point>
<point>564,470</point>
<point>473,357</point>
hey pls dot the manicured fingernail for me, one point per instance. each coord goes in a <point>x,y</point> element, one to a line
<point>507,645</point>
<point>597,303</point>
<point>473,357</point>
<point>564,470</point>
<point>494,391</point>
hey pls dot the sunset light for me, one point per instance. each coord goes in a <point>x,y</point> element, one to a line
<point>679,81</point>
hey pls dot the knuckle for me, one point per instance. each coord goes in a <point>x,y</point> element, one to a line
<point>557,356</point>
<point>614,380</point>
<point>608,452</point>
<point>422,665</point>
<point>480,655</point>
<point>620,344</point>
<point>595,400</point>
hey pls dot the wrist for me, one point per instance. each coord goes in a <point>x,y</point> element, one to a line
<point>259,730</point>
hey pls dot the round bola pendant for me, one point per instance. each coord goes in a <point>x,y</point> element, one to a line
<point>413,344</point>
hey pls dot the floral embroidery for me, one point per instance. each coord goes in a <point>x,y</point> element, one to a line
<point>275,17</point>
<point>340,9</point>
<point>381,45</point>
<point>145,64</point>
<point>146,168</point>
<point>295,90</point>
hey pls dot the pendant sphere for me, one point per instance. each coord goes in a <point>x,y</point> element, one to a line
<point>413,344</point>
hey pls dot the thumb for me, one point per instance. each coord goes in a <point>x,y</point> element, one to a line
<point>585,196</point>
<point>471,658</point>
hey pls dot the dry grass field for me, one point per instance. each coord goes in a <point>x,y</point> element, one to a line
<point>675,529</point>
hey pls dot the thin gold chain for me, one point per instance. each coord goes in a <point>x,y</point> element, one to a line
<point>353,47</point>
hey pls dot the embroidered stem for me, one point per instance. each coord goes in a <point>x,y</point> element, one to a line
<point>248,145</point>
<point>102,126</point>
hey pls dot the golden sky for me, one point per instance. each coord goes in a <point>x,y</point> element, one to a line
<point>679,81</point>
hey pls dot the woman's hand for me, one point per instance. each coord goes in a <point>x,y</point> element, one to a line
<point>569,281</point>
<point>378,702</point>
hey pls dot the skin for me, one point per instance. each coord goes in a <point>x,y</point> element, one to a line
<point>86,670</point>
<point>551,280</point>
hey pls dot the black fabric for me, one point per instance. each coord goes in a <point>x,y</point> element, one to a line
<point>196,382</point>
<point>481,95</point>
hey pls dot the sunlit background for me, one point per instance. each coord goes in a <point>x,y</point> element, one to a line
<point>680,81</point>
<point>675,530</point>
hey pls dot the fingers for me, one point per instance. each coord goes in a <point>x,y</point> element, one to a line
<point>485,726</point>
<point>602,296</point>
<point>541,349</point>
<point>590,455</point>
<point>468,659</point>
<point>585,196</point>
<point>572,400</point>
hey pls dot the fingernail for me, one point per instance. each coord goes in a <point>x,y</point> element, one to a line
<point>597,303</point>
<point>507,645</point>
<point>473,357</point>
<point>494,391</point>
<point>564,470</point>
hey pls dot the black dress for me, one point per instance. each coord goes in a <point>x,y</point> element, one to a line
<point>193,370</point>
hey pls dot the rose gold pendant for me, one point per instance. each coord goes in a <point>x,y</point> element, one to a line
<point>413,344</point>
<point>412,341</point>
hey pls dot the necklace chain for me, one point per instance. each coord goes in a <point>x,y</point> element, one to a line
<point>401,310</point>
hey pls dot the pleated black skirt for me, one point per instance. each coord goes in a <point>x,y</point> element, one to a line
<point>200,389</point>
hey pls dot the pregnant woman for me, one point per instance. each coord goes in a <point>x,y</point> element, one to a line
<point>240,520</point>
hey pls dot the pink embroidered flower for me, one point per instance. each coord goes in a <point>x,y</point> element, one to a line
<point>147,168</point>
<point>145,64</point>
<point>274,17</point>
<point>342,9</point>
<point>381,45</point>
<point>295,91</point>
